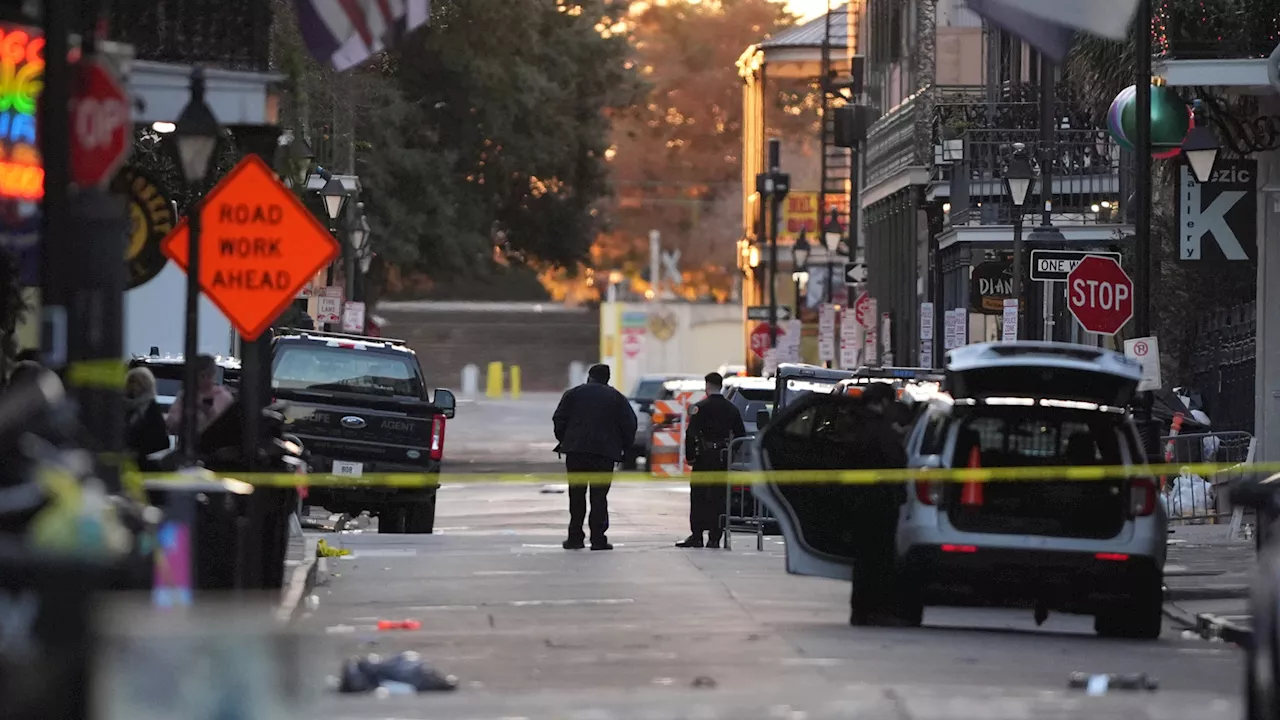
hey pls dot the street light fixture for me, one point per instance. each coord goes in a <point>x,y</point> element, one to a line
<point>196,133</point>
<point>359,233</point>
<point>300,159</point>
<point>1200,147</point>
<point>195,138</point>
<point>1018,176</point>
<point>800,252</point>
<point>831,237</point>
<point>1017,180</point>
<point>334,194</point>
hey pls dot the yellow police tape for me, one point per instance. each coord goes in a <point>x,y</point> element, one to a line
<point>1082,473</point>
<point>101,374</point>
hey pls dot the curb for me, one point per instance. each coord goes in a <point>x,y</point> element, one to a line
<point>1212,626</point>
<point>304,577</point>
<point>1208,592</point>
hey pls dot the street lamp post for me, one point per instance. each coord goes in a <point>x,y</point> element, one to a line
<point>195,137</point>
<point>831,238</point>
<point>1200,147</point>
<point>334,195</point>
<point>1017,181</point>
<point>357,237</point>
<point>799,261</point>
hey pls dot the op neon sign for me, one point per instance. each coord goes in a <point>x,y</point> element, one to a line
<point>21,80</point>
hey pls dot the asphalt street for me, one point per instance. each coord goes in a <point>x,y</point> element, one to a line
<point>649,630</point>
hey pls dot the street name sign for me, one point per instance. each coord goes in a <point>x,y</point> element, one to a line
<point>1056,265</point>
<point>1100,295</point>
<point>760,313</point>
<point>259,245</point>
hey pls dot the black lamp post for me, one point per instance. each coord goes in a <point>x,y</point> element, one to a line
<point>195,138</point>
<point>1200,147</point>
<point>357,238</point>
<point>334,194</point>
<point>799,261</point>
<point>301,159</point>
<point>831,238</point>
<point>1017,180</point>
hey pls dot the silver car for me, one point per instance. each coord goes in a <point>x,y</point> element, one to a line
<point>1086,547</point>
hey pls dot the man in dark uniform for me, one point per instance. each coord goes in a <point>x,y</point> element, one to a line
<point>594,424</point>
<point>713,423</point>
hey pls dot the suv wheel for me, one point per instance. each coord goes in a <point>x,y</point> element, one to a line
<point>420,518</point>
<point>391,520</point>
<point>1141,618</point>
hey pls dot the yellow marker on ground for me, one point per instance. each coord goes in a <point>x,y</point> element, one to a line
<point>493,385</point>
<point>515,382</point>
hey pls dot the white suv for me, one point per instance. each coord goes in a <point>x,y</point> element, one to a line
<point>1089,547</point>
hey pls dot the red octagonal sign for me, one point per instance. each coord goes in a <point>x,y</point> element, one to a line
<point>1100,295</point>
<point>101,128</point>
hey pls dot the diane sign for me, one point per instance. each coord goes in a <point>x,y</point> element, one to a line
<point>989,285</point>
<point>259,245</point>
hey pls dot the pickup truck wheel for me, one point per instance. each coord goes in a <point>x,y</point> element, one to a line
<point>420,518</point>
<point>391,520</point>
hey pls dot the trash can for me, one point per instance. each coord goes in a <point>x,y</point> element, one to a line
<point>203,537</point>
<point>46,638</point>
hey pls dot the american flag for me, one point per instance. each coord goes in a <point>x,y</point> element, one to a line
<point>345,33</point>
<point>1050,25</point>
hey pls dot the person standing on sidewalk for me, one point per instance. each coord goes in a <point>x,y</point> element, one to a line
<point>714,422</point>
<point>594,425</point>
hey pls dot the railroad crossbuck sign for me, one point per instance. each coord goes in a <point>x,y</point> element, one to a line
<point>259,245</point>
<point>1100,295</point>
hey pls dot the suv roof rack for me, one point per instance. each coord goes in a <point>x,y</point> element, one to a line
<point>346,336</point>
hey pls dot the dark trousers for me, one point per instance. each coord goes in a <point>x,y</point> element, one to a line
<point>876,581</point>
<point>578,491</point>
<point>706,503</point>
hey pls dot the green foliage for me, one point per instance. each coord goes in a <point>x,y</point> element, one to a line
<point>488,129</point>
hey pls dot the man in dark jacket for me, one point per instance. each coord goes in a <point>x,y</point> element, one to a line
<point>713,423</point>
<point>594,424</point>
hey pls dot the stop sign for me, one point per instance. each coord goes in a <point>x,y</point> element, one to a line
<point>101,125</point>
<point>1100,295</point>
<point>760,339</point>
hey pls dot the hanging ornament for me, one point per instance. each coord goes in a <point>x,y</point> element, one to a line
<point>1171,119</point>
<point>1114,113</point>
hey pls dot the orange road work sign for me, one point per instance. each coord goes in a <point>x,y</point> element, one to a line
<point>259,245</point>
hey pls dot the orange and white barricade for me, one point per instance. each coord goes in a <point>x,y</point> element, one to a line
<point>687,399</point>
<point>667,447</point>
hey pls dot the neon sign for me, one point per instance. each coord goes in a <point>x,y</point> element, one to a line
<point>21,80</point>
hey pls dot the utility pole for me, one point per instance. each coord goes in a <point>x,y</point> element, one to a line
<point>1048,153</point>
<point>776,185</point>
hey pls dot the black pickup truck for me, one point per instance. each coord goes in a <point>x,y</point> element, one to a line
<point>360,406</point>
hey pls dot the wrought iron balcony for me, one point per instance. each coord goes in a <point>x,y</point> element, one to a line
<point>1213,29</point>
<point>228,34</point>
<point>1088,178</point>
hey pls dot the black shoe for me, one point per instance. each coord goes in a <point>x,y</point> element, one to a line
<point>602,545</point>
<point>573,544</point>
<point>713,542</point>
<point>693,541</point>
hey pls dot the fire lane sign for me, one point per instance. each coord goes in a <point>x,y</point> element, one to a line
<point>259,245</point>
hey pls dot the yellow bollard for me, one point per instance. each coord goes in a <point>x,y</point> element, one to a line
<point>493,387</point>
<point>515,382</point>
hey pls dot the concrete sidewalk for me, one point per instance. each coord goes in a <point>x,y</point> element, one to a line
<point>1208,578</point>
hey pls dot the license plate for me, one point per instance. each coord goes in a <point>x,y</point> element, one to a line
<point>348,469</point>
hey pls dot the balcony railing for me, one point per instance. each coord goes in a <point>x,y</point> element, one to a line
<point>1215,29</point>
<point>892,144</point>
<point>229,34</point>
<point>1087,176</point>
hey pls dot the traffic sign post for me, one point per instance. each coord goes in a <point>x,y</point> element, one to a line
<point>760,338</point>
<point>259,245</point>
<point>1100,295</point>
<point>101,125</point>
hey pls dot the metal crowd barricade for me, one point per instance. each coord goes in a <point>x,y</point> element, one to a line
<point>743,511</point>
<point>1197,500</point>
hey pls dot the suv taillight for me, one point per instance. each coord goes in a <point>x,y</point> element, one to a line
<point>437,437</point>
<point>1142,496</point>
<point>927,493</point>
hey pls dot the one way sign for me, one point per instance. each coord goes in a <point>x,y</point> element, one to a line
<point>1217,220</point>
